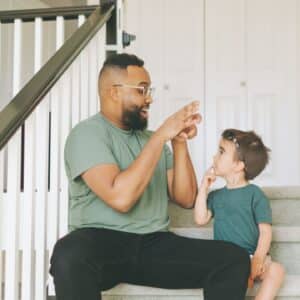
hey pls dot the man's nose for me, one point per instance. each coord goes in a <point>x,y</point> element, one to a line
<point>148,99</point>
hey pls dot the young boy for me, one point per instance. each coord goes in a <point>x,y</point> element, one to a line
<point>241,211</point>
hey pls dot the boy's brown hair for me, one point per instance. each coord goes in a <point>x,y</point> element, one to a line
<point>250,149</point>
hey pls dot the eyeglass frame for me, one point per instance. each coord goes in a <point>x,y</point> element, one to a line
<point>147,91</point>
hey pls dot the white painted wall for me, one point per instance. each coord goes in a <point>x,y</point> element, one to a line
<point>244,69</point>
<point>170,37</point>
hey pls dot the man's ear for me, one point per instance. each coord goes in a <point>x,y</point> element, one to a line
<point>114,93</point>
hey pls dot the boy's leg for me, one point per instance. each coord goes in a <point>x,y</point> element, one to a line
<point>272,280</point>
<point>170,261</point>
<point>87,261</point>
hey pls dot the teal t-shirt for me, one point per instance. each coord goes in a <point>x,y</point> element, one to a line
<point>237,213</point>
<point>96,141</point>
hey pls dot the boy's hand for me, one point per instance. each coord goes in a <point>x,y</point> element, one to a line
<point>209,178</point>
<point>257,266</point>
<point>250,283</point>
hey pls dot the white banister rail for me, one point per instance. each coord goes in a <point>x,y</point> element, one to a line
<point>34,212</point>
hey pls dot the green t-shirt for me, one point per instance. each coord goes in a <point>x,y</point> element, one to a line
<point>237,213</point>
<point>96,141</point>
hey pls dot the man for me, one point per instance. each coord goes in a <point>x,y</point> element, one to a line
<point>121,177</point>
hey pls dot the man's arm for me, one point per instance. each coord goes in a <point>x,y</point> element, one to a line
<point>122,189</point>
<point>182,178</point>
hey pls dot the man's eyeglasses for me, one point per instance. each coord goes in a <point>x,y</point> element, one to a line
<point>145,91</point>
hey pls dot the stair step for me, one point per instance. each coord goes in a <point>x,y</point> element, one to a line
<point>289,234</point>
<point>282,192</point>
<point>285,247</point>
<point>291,288</point>
<point>284,211</point>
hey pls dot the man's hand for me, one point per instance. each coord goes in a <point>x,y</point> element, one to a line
<point>182,123</point>
<point>188,133</point>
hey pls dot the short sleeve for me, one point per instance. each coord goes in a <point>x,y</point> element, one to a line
<point>210,202</point>
<point>86,147</point>
<point>169,157</point>
<point>262,208</point>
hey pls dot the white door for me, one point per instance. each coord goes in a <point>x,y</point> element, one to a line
<point>251,79</point>
<point>170,36</point>
<point>225,93</point>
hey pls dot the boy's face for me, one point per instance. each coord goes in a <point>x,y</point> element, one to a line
<point>225,161</point>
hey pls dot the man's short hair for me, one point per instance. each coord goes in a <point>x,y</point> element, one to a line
<point>121,61</point>
<point>250,149</point>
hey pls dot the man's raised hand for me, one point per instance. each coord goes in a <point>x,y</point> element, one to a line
<point>182,123</point>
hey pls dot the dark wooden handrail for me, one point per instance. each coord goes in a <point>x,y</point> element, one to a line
<point>28,15</point>
<point>23,104</point>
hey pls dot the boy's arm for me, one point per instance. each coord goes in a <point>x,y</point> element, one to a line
<point>262,249</point>
<point>202,215</point>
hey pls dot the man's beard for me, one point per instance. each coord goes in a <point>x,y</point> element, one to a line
<point>132,119</point>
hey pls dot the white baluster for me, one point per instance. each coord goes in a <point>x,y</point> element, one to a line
<point>1,272</point>
<point>1,219</point>
<point>13,184</point>
<point>30,181</point>
<point>92,58</point>
<point>65,129</point>
<point>54,195</point>
<point>81,20</point>
<point>101,53</point>
<point>84,92</point>
<point>1,188</point>
<point>76,84</point>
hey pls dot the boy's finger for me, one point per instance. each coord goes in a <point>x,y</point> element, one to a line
<point>250,282</point>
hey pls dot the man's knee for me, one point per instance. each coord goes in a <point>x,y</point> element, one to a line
<point>68,257</point>
<point>238,256</point>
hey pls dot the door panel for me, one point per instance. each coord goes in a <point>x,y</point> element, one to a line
<point>225,85</point>
<point>271,45</point>
<point>173,51</point>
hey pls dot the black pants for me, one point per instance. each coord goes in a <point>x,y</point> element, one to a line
<point>88,261</point>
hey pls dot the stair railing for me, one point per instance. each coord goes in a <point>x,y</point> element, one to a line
<point>33,129</point>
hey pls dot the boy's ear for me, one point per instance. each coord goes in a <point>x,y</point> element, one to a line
<point>240,166</point>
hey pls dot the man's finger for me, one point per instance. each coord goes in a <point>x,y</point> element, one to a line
<point>189,109</point>
<point>192,120</point>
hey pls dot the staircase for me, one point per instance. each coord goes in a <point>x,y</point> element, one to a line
<point>285,202</point>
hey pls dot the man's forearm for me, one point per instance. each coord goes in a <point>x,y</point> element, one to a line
<point>184,186</point>
<point>131,183</point>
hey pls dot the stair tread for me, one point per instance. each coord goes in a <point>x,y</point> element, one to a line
<point>282,192</point>
<point>281,233</point>
<point>284,211</point>
<point>290,288</point>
